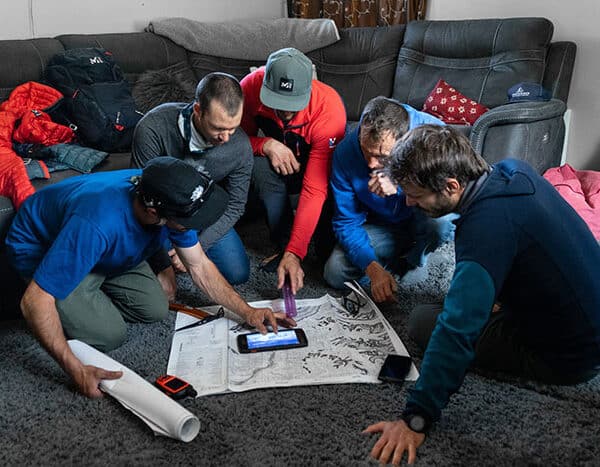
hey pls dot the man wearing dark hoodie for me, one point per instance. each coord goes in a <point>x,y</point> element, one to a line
<point>525,295</point>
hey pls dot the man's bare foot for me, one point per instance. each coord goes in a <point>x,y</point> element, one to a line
<point>176,262</point>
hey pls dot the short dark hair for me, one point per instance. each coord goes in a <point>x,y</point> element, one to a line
<point>222,87</point>
<point>430,154</point>
<point>382,115</point>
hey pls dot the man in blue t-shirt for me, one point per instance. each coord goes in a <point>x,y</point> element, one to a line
<point>83,243</point>
<point>377,234</point>
<point>525,295</point>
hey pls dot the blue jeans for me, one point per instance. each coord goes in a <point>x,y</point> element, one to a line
<point>273,191</point>
<point>429,233</point>
<point>229,255</point>
<point>398,248</point>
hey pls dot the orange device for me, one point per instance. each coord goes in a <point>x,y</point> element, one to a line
<point>175,387</point>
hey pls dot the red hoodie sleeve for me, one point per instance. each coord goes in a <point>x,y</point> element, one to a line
<point>251,85</point>
<point>327,128</point>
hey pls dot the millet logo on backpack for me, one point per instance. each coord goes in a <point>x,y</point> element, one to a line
<point>96,60</point>
<point>286,84</point>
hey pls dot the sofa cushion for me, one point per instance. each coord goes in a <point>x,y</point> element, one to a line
<point>24,60</point>
<point>205,64</point>
<point>360,65</point>
<point>484,57</point>
<point>450,106</point>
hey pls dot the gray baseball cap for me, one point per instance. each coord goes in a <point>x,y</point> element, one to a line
<point>288,80</point>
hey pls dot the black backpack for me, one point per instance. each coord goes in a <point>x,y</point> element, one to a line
<point>98,97</point>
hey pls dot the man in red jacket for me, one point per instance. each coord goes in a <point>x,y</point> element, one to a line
<point>302,121</point>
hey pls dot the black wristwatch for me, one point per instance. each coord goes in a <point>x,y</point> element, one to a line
<point>417,422</point>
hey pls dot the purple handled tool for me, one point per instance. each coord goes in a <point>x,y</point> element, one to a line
<point>288,299</point>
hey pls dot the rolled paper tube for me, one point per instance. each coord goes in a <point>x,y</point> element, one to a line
<point>161,413</point>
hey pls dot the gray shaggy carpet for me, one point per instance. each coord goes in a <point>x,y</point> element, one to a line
<point>499,422</point>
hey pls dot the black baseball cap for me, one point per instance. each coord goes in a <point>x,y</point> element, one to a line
<point>181,193</point>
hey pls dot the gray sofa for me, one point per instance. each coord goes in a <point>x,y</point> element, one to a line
<point>481,58</point>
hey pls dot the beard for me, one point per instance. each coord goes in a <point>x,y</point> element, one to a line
<point>442,207</point>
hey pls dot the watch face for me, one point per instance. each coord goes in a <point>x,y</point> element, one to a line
<point>417,423</point>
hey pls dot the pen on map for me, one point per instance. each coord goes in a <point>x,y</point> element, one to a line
<point>207,319</point>
<point>188,310</point>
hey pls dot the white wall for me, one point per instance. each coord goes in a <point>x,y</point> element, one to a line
<point>575,21</point>
<point>25,19</point>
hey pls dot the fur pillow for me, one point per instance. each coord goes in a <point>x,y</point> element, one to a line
<point>176,83</point>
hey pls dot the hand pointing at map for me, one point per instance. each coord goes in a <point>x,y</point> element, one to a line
<point>257,317</point>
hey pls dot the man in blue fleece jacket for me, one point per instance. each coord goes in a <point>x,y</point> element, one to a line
<point>525,296</point>
<point>377,233</point>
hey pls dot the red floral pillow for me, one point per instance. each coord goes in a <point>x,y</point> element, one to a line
<point>450,106</point>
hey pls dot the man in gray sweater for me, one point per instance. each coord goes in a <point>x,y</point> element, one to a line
<point>205,134</point>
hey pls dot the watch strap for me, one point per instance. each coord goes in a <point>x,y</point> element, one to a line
<point>418,421</point>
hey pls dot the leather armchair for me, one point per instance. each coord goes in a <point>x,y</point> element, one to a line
<point>483,59</point>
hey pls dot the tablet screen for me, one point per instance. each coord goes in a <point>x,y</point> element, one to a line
<point>261,341</point>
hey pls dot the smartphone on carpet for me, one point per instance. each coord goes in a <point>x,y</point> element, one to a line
<point>395,369</point>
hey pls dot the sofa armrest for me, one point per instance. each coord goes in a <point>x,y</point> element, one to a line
<point>521,112</point>
<point>532,131</point>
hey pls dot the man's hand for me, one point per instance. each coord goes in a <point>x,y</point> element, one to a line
<point>395,438</point>
<point>87,379</point>
<point>257,317</point>
<point>282,159</point>
<point>205,274</point>
<point>39,309</point>
<point>290,266</point>
<point>166,279</point>
<point>383,284</point>
<point>381,185</point>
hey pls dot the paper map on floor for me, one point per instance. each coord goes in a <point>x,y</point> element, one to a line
<point>342,348</point>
